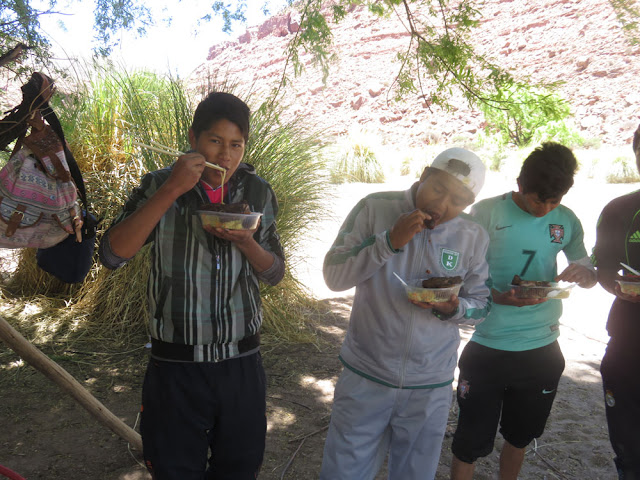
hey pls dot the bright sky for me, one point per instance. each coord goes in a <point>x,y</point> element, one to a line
<point>177,47</point>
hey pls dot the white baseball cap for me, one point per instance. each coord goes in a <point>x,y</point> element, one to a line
<point>464,165</point>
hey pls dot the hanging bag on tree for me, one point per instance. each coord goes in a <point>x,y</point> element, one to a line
<point>42,182</point>
<point>71,260</point>
<point>38,197</point>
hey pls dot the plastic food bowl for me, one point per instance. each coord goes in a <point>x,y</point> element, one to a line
<point>553,291</point>
<point>230,221</point>
<point>629,287</point>
<point>416,292</point>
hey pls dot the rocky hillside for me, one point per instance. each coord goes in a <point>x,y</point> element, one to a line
<point>577,41</point>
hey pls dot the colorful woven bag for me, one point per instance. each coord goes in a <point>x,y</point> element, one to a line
<point>38,197</point>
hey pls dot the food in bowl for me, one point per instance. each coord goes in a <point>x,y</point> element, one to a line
<point>441,282</point>
<point>629,284</point>
<point>529,283</point>
<point>416,291</point>
<point>232,216</point>
<point>239,207</point>
<point>534,289</point>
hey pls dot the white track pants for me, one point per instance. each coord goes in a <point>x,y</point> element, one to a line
<point>369,420</point>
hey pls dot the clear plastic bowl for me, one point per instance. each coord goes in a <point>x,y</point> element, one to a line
<point>230,221</point>
<point>628,287</point>
<point>552,291</point>
<point>416,292</point>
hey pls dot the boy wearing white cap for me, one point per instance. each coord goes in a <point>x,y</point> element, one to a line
<point>509,371</point>
<point>394,393</point>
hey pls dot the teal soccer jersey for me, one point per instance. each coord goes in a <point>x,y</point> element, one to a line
<point>522,244</point>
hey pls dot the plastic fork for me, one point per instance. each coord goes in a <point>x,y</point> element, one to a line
<point>398,277</point>
<point>632,270</point>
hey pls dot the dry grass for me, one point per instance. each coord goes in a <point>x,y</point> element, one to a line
<point>102,121</point>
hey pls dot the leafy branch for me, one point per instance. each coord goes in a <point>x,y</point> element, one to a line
<point>439,61</point>
<point>628,12</point>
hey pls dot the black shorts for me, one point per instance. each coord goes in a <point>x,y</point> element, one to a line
<point>515,389</point>
<point>189,408</point>
<point>619,370</point>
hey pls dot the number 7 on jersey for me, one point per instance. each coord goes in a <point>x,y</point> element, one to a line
<point>531,254</point>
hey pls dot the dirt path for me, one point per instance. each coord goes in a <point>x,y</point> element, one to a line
<point>45,435</point>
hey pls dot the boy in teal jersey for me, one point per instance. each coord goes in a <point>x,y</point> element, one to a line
<point>394,394</point>
<point>509,371</point>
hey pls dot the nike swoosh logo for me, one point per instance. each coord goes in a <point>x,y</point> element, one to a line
<point>502,228</point>
<point>546,392</point>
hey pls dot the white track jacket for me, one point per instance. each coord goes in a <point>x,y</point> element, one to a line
<point>390,340</point>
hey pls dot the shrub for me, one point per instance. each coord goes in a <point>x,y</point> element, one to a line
<point>496,159</point>
<point>561,132</point>
<point>102,119</point>
<point>521,113</point>
<point>356,161</point>
<point>623,170</point>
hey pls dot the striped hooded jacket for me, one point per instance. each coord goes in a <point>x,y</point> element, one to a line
<point>204,295</point>
<point>390,340</point>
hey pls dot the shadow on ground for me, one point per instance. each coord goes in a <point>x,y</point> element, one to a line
<point>46,435</point>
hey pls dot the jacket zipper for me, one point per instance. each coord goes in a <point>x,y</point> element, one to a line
<point>407,342</point>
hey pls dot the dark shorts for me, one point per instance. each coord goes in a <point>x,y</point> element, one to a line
<point>619,370</point>
<point>514,389</point>
<point>189,408</point>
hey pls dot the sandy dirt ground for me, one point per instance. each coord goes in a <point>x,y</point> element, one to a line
<point>575,444</point>
<point>46,435</point>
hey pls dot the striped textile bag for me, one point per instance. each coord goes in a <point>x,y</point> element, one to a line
<point>38,197</point>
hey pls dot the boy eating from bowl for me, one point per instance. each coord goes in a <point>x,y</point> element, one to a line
<point>205,385</point>
<point>617,241</point>
<point>394,393</point>
<point>509,371</point>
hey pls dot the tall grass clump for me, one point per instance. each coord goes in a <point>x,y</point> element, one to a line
<point>102,118</point>
<point>623,170</point>
<point>356,160</point>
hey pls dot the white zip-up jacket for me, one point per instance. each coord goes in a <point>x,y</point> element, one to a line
<point>390,340</point>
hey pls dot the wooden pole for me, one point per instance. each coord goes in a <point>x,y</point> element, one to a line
<point>66,382</point>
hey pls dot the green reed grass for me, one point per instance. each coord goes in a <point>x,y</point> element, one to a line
<point>357,161</point>
<point>101,118</point>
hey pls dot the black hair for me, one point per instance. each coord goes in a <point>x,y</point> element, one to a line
<point>221,106</point>
<point>636,143</point>
<point>35,96</point>
<point>548,171</point>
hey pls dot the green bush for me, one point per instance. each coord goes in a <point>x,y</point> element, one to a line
<point>521,113</point>
<point>561,132</point>
<point>496,159</point>
<point>101,119</point>
<point>623,170</point>
<point>356,161</point>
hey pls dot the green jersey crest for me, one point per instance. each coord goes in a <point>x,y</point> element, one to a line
<point>449,259</point>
